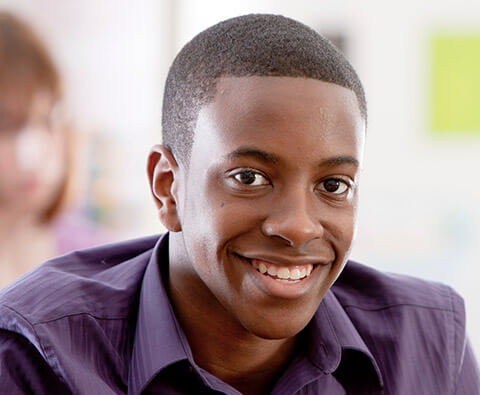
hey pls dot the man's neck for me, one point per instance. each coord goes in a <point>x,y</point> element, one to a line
<point>226,350</point>
<point>221,345</point>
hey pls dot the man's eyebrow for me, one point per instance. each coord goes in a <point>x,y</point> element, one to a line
<point>339,160</point>
<point>265,156</point>
<point>253,152</point>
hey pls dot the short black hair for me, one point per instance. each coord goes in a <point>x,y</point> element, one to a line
<point>249,45</point>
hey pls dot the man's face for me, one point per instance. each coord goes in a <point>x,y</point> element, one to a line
<point>268,205</point>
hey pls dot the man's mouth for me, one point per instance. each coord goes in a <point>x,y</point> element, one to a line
<point>283,274</point>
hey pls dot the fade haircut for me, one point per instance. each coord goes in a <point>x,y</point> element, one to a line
<point>249,45</point>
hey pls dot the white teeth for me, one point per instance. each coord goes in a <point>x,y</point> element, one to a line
<point>294,274</point>
<point>303,272</point>
<point>272,270</point>
<point>283,272</point>
<point>281,280</point>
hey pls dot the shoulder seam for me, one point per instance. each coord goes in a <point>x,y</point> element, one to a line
<point>456,361</point>
<point>378,308</point>
<point>451,324</point>
<point>77,314</point>
<point>32,326</point>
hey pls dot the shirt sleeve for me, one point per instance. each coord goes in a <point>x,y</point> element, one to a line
<point>467,376</point>
<point>468,381</point>
<point>23,370</point>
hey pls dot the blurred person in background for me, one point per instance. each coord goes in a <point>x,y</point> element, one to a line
<point>35,157</point>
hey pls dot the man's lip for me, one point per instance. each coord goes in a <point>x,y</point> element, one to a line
<point>288,261</point>
<point>278,286</point>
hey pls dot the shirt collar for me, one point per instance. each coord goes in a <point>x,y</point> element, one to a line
<point>159,340</point>
<point>332,334</point>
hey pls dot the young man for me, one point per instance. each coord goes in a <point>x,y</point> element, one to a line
<point>257,182</point>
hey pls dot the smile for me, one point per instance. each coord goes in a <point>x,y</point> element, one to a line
<point>283,274</point>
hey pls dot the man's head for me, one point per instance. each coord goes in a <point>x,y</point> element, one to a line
<point>250,45</point>
<point>262,216</point>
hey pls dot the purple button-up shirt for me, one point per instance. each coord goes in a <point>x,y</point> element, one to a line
<point>99,321</point>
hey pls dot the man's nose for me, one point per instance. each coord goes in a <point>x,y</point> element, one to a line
<point>294,220</point>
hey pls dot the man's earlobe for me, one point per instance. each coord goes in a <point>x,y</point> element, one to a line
<point>163,171</point>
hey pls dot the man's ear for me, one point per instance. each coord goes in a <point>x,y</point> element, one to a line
<point>163,173</point>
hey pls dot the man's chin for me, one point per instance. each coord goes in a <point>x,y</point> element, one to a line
<point>279,329</point>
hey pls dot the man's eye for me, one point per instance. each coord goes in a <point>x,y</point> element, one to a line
<point>250,177</point>
<point>334,185</point>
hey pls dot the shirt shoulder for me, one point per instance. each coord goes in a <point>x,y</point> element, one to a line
<point>406,323</point>
<point>99,281</point>
<point>366,288</point>
<point>77,310</point>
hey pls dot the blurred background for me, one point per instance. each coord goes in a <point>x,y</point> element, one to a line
<point>420,65</point>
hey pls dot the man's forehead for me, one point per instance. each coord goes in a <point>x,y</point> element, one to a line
<point>265,112</point>
<point>273,101</point>
<point>255,85</point>
<point>250,95</point>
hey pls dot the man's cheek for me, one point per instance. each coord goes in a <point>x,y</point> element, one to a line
<point>233,220</point>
